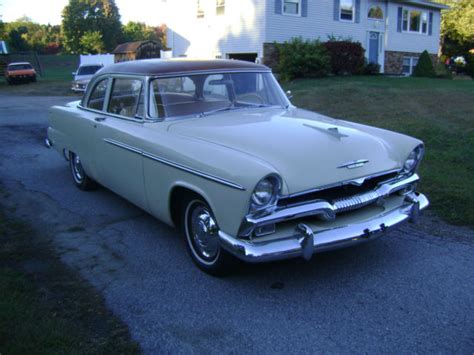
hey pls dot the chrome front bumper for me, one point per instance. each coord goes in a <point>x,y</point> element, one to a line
<point>305,242</point>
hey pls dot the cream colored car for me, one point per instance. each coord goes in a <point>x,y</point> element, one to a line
<point>216,148</point>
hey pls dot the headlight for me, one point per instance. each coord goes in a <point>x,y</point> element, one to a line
<point>413,159</point>
<point>265,192</point>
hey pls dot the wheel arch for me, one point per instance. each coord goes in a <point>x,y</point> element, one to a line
<point>179,193</point>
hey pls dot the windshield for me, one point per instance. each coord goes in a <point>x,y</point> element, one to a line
<point>19,67</point>
<point>209,93</point>
<point>88,70</point>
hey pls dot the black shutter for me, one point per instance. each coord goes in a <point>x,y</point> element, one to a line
<point>336,10</point>
<point>304,8</point>
<point>278,6</point>
<point>430,25</point>
<point>357,11</point>
<point>400,19</point>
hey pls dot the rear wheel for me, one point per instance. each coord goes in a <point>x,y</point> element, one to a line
<point>81,180</point>
<point>202,239</point>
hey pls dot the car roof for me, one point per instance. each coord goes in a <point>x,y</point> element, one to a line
<point>157,67</point>
<point>19,63</point>
<point>91,65</point>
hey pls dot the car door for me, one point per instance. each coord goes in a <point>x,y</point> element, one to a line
<point>117,140</point>
<point>83,125</point>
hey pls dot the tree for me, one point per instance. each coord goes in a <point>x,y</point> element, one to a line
<point>139,31</point>
<point>457,27</point>
<point>87,16</point>
<point>425,67</point>
<point>23,35</point>
<point>92,42</point>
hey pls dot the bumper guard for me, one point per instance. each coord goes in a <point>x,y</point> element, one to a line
<point>305,242</point>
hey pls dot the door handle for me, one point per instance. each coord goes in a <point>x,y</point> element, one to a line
<point>99,119</point>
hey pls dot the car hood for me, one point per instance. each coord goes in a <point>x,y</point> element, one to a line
<point>308,150</point>
<point>83,78</point>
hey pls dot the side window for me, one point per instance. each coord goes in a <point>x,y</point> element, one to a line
<point>375,13</point>
<point>97,96</point>
<point>215,88</point>
<point>346,10</point>
<point>220,7</point>
<point>125,97</point>
<point>292,7</point>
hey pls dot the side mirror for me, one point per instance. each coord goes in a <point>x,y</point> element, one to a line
<point>289,95</point>
<point>74,73</point>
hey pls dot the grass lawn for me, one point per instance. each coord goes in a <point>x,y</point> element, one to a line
<point>439,112</point>
<point>46,308</point>
<point>55,80</point>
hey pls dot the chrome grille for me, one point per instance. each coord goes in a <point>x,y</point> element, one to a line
<point>354,202</point>
<point>345,193</point>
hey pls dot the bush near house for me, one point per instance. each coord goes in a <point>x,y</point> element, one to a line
<point>300,58</point>
<point>371,69</point>
<point>442,72</point>
<point>470,65</point>
<point>347,57</point>
<point>425,67</point>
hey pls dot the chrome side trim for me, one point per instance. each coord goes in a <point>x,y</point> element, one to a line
<point>122,145</point>
<point>193,171</point>
<point>296,245</point>
<point>175,165</point>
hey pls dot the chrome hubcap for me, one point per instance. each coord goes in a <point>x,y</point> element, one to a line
<point>77,169</point>
<point>203,233</point>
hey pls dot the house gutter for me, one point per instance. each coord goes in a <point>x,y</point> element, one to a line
<point>423,3</point>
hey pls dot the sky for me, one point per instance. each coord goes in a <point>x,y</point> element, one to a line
<point>50,11</point>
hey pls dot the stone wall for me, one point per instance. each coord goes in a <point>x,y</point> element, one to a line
<point>270,56</point>
<point>394,61</point>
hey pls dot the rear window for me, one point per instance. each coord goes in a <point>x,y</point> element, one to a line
<point>88,70</point>
<point>14,67</point>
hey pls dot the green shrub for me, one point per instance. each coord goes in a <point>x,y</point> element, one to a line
<point>442,71</point>
<point>300,58</point>
<point>347,57</point>
<point>371,69</point>
<point>424,68</point>
<point>470,65</point>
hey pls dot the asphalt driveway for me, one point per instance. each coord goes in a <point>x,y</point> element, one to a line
<point>412,290</point>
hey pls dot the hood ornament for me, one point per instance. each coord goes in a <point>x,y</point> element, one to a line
<point>332,131</point>
<point>354,164</point>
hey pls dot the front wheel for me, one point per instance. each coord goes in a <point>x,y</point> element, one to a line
<point>202,240</point>
<point>81,180</point>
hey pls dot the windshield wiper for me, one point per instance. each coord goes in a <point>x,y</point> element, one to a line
<point>222,109</point>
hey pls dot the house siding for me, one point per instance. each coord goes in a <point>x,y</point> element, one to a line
<point>239,30</point>
<point>319,23</point>
<point>412,42</point>
<point>252,26</point>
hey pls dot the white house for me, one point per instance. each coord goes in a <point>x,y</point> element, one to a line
<point>393,32</point>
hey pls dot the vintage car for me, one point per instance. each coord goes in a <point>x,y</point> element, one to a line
<point>216,148</point>
<point>20,72</point>
<point>83,75</point>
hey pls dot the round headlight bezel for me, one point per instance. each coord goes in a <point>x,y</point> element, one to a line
<point>413,160</point>
<point>271,185</point>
